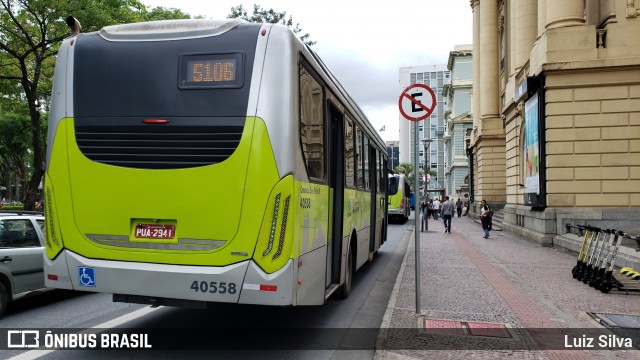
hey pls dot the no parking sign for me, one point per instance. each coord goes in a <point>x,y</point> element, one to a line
<point>417,102</point>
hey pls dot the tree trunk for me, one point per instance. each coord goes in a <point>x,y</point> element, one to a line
<point>31,191</point>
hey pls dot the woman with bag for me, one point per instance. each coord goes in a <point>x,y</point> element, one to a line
<point>485,218</point>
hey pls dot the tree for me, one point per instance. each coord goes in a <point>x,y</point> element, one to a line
<point>270,16</point>
<point>407,170</point>
<point>30,34</point>
<point>404,168</point>
<point>161,13</point>
<point>14,148</point>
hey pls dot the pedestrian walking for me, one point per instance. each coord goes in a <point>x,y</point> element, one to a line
<point>430,208</point>
<point>447,214</point>
<point>459,207</point>
<point>485,217</point>
<point>436,209</point>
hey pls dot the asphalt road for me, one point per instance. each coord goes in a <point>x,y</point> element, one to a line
<point>323,332</point>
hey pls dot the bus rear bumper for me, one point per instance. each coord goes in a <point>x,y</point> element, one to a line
<point>395,211</point>
<point>243,282</point>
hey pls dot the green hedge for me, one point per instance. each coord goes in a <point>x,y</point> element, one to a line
<point>12,207</point>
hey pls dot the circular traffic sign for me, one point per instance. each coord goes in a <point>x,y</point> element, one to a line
<point>417,102</point>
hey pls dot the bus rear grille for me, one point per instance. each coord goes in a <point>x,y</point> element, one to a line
<point>158,146</point>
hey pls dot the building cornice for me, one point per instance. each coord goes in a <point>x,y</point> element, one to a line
<point>462,51</point>
<point>464,115</point>
<point>477,140</point>
<point>592,64</point>
<point>446,89</point>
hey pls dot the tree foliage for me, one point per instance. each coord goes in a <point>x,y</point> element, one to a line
<point>404,168</point>
<point>14,147</point>
<point>30,34</point>
<point>161,13</point>
<point>407,170</point>
<point>270,16</point>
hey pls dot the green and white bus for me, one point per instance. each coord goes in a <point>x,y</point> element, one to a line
<point>197,161</point>
<point>399,207</point>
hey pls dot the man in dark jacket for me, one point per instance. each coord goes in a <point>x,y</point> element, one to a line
<point>459,207</point>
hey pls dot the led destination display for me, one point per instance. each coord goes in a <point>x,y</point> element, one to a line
<point>211,71</point>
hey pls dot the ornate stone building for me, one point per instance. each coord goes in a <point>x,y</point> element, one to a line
<point>556,113</point>
<point>458,120</point>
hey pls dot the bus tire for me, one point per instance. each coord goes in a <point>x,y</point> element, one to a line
<point>4,298</point>
<point>345,288</point>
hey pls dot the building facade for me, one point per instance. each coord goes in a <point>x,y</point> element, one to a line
<point>459,122</point>
<point>431,155</point>
<point>393,154</point>
<point>556,114</point>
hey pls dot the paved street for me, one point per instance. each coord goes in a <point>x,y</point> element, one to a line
<point>495,298</point>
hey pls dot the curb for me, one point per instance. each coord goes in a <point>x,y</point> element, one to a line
<point>380,353</point>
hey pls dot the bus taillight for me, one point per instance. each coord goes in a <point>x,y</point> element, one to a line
<point>155,121</point>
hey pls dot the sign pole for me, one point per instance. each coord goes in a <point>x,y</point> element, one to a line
<point>417,216</point>
<point>414,109</point>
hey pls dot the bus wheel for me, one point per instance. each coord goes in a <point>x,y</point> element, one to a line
<point>345,289</point>
<point>4,298</point>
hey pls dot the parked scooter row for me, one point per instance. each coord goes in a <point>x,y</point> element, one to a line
<point>596,260</point>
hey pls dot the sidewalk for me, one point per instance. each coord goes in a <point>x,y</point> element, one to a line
<point>495,298</point>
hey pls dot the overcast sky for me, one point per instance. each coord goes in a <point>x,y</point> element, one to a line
<point>365,43</point>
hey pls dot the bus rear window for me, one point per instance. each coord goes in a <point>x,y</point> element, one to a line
<point>393,185</point>
<point>117,79</point>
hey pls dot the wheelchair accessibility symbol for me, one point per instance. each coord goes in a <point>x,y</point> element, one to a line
<point>86,276</point>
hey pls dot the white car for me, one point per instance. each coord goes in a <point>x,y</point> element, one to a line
<point>21,254</point>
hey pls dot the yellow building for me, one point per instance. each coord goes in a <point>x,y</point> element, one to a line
<point>580,60</point>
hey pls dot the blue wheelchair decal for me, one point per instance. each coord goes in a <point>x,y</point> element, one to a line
<point>86,276</point>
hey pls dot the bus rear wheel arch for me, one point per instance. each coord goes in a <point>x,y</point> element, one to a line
<point>350,269</point>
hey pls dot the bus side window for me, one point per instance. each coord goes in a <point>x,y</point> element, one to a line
<point>350,172</point>
<point>359,155</point>
<point>379,174</point>
<point>365,162</point>
<point>312,124</point>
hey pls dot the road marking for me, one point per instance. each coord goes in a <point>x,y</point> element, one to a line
<point>34,354</point>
